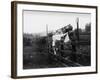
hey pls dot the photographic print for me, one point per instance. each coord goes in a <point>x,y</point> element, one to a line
<point>56,35</point>
<point>55,38</point>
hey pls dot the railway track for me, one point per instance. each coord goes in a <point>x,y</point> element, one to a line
<point>65,61</point>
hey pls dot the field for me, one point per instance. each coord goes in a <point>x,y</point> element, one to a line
<point>36,56</point>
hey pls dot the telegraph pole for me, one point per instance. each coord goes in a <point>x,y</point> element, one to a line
<point>77,44</point>
<point>77,30</point>
<point>47,32</point>
<point>47,38</point>
<point>47,29</point>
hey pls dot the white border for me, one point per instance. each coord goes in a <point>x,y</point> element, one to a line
<point>31,72</point>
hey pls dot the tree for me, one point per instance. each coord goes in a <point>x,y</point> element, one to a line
<point>88,27</point>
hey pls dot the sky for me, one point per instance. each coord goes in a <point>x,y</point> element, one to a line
<point>36,21</point>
